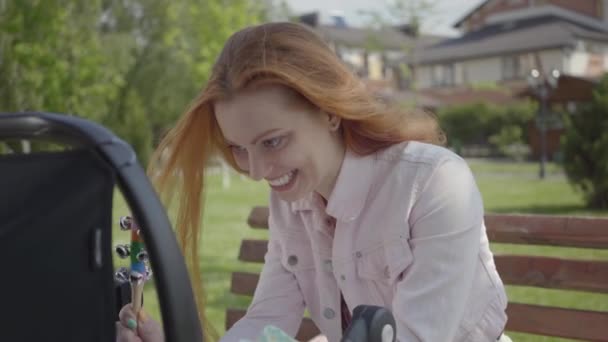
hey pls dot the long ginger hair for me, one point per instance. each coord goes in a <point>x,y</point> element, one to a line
<point>281,53</point>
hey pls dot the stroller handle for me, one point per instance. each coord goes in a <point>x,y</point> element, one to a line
<point>180,316</point>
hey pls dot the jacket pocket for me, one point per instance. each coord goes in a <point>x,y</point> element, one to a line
<point>384,263</point>
<point>382,267</point>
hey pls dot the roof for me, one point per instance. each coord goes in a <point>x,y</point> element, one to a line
<point>386,37</point>
<point>499,39</point>
<point>469,14</point>
<point>434,98</point>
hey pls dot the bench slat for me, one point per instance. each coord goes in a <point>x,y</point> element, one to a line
<point>258,218</point>
<point>565,231</point>
<point>243,283</point>
<point>555,273</point>
<point>253,250</point>
<point>538,271</point>
<point>307,331</point>
<point>557,322</point>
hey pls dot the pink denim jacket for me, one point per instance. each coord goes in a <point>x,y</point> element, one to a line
<point>403,228</point>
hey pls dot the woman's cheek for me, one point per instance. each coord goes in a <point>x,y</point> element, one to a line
<point>242,162</point>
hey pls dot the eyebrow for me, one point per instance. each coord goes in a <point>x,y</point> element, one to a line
<point>255,140</point>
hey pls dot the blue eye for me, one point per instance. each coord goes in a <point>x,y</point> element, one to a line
<point>273,142</point>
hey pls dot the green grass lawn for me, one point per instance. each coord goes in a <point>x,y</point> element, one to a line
<point>506,188</point>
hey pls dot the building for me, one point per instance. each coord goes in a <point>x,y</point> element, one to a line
<point>502,40</point>
<point>373,53</point>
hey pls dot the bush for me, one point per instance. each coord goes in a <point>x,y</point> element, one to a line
<point>467,124</point>
<point>501,127</point>
<point>585,148</point>
<point>509,142</point>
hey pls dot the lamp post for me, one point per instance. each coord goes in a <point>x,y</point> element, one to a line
<point>542,85</point>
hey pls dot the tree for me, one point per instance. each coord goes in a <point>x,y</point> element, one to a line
<point>585,147</point>
<point>170,49</point>
<point>49,57</point>
<point>131,65</point>
<point>397,12</point>
<point>276,10</point>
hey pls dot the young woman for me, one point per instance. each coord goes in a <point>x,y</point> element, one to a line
<point>366,207</point>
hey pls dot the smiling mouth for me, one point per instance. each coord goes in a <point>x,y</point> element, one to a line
<point>284,182</point>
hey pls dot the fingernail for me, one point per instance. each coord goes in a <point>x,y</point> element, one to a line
<point>132,324</point>
<point>143,316</point>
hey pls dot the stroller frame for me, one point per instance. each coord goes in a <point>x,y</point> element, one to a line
<point>178,308</point>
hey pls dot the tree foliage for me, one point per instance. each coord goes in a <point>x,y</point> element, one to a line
<point>585,148</point>
<point>131,65</point>
<point>50,57</point>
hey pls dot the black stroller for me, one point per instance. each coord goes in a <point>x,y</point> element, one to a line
<point>56,235</point>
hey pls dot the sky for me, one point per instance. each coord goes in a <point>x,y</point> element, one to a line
<point>447,12</point>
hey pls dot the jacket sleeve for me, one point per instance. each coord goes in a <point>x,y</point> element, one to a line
<point>445,226</point>
<point>277,301</point>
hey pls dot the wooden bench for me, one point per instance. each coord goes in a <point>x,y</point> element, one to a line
<point>523,270</point>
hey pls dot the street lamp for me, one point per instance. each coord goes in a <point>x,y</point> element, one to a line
<point>542,85</point>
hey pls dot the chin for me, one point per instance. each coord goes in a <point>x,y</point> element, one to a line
<point>290,197</point>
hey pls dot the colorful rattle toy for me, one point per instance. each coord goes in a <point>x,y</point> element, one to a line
<point>139,271</point>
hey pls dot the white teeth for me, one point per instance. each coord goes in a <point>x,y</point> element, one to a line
<point>282,180</point>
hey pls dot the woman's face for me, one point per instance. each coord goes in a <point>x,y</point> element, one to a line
<point>277,136</point>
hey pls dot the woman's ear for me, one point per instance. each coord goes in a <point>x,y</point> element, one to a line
<point>334,122</point>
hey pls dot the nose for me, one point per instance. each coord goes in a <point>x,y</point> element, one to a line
<point>257,167</point>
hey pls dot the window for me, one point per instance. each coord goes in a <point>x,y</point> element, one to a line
<point>443,75</point>
<point>511,68</point>
<point>465,74</point>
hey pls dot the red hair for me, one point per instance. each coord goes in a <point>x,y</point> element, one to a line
<point>281,53</point>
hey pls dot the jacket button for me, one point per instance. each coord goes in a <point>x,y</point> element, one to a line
<point>328,266</point>
<point>329,313</point>
<point>358,254</point>
<point>292,260</point>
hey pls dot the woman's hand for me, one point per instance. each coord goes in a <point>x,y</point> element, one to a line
<point>140,329</point>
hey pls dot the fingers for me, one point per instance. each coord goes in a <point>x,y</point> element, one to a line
<point>127,317</point>
<point>124,334</point>
<point>145,327</point>
<point>148,329</point>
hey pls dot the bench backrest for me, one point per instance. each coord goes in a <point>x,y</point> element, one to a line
<point>523,270</point>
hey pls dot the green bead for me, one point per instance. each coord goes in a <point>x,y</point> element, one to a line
<point>132,324</point>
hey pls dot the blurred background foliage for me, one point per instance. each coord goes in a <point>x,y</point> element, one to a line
<point>131,65</point>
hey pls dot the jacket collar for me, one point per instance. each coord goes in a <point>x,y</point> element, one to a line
<point>350,191</point>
